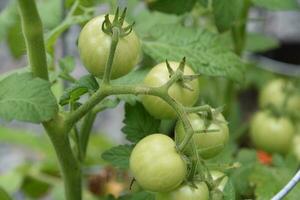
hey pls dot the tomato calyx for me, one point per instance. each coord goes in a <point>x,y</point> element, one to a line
<point>210,116</point>
<point>117,23</point>
<point>179,76</point>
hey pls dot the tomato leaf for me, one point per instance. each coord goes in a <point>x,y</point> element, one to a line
<point>67,64</point>
<point>138,123</point>
<point>229,191</point>
<point>202,49</point>
<point>26,98</point>
<point>118,156</point>
<point>226,13</point>
<point>85,84</point>
<point>277,4</point>
<point>172,6</point>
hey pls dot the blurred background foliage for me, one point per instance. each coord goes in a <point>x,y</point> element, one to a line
<point>33,173</point>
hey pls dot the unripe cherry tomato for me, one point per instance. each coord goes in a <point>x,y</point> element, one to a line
<point>94,48</point>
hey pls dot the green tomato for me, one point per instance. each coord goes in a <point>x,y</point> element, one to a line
<point>274,94</point>
<point>186,192</point>
<point>271,134</point>
<point>94,47</point>
<point>156,165</point>
<point>158,76</point>
<point>208,144</point>
<point>216,175</point>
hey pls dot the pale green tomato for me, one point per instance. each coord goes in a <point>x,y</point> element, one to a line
<point>186,192</point>
<point>217,174</point>
<point>274,94</point>
<point>208,144</point>
<point>158,76</point>
<point>156,165</point>
<point>94,47</point>
<point>271,134</point>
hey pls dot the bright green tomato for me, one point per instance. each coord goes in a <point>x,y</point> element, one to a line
<point>186,192</point>
<point>156,165</point>
<point>208,144</point>
<point>94,46</point>
<point>274,94</point>
<point>271,134</point>
<point>158,76</point>
<point>217,174</point>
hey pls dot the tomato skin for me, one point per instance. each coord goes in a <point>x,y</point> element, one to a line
<point>158,76</point>
<point>156,165</point>
<point>217,174</point>
<point>94,47</point>
<point>273,135</point>
<point>186,192</point>
<point>274,94</point>
<point>208,144</point>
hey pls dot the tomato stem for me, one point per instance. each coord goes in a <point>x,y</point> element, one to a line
<point>113,47</point>
<point>33,33</point>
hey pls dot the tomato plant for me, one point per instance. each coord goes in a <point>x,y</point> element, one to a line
<point>153,162</point>
<point>270,133</point>
<point>170,67</point>
<point>210,140</point>
<point>160,75</point>
<point>94,47</point>
<point>200,192</point>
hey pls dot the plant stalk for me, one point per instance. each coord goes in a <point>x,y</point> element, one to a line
<point>56,129</point>
<point>33,33</point>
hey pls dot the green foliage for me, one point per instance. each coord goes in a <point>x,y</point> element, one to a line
<point>226,13</point>
<point>138,123</point>
<point>229,191</point>
<point>4,195</point>
<point>172,6</point>
<point>10,25</point>
<point>15,40</point>
<point>118,156</point>
<point>201,48</point>
<point>26,98</point>
<point>277,4</point>
<point>35,187</point>
<point>85,84</point>
<point>259,43</point>
<point>14,178</point>
<point>152,19</point>
<point>67,64</point>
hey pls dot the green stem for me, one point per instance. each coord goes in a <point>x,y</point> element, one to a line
<point>239,30</point>
<point>113,47</point>
<point>33,34</point>
<point>57,132</point>
<point>70,168</point>
<point>85,130</point>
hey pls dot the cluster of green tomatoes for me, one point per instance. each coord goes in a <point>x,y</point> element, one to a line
<point>273,128</point>
<point>156,163</point>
